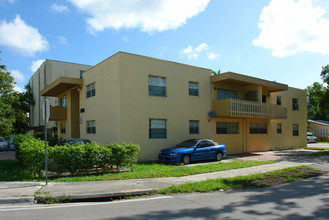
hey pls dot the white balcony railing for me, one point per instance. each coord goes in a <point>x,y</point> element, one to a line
<point>249,109</point>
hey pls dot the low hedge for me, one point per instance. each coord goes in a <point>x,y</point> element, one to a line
<point>76,159</point>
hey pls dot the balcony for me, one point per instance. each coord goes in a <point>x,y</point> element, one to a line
<point>248,109</point>
<point>58,113</point>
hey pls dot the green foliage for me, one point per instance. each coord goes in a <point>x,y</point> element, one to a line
<point>317,108</point>
<point>75,159</point>
<point>13,105</point>
<point>325,74</point>
<point>52,141</point>
<point>30,152</point>
<point>214,73</point>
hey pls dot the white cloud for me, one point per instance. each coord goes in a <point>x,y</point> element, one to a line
<point>35,65</point>
<point>212,56</point>
<point>201,47</point>
<point>18,76</point>
<point>148,15</point>
<point>55,8</point>
<point>193,53</point>
<point>3,2</point>
<point>289,26</point>
<point>21,38</point>
<point>62,40</point>
<point>18,89</point>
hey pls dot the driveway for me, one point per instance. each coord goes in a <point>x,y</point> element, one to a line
<point>7,155</point>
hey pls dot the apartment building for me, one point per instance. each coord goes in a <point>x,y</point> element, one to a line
<point>47,73</point>
<point>156,104</point>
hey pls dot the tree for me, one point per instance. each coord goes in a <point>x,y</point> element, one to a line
<point>325,74</point>
<point>214,73</point>
<point>6,99</point>
<point>14,105</point>
<point>316,108</point>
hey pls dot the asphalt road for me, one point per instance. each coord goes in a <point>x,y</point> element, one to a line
<point>306,199</point>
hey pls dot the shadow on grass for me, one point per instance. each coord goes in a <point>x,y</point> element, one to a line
<point>10,170</point>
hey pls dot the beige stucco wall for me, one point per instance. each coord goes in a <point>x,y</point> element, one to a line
<point>104,107</point>
<point>49,71</point>
<point>122,106</point>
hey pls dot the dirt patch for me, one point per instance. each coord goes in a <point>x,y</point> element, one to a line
<point>301,173</point>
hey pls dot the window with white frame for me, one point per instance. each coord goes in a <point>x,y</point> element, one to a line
<point>157,129</point>
<point>194,127</point>
<point>193,88</point>
<point>295,130</point>
<point>258,128</point>
<point>90,90</point>
<point>157,86</point>
<point>227,127</point>
<point>91,127</point>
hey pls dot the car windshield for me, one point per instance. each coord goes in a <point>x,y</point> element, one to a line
<point>187,143</point>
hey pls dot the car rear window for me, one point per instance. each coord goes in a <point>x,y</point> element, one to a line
<point>187,143</point>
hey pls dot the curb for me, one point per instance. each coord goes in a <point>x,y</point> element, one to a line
<point>96,197</point>
<point>15,200</point>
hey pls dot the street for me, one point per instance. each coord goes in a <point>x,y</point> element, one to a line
<point>306,199</point>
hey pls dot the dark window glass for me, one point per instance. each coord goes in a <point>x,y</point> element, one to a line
<point>279,128</point>
<point>226,94</point>
<point>227,127</point>
<point>90,90</point>
<point>295,130</point>
<point>264,98</point>
<point>295,104</point>
<point>91,127</point>
<point>258,128</point>
<point>157,86</point>
<point>157,129</point>
<point>193,89</point>
<point>278,100</point>
<point>194,127</point>
<point>63,128</point>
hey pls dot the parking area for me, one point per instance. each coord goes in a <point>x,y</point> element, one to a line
<point>318,145</point>
<point>7,155</point>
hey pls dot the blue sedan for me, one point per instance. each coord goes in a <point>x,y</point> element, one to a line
<point>193,150</point>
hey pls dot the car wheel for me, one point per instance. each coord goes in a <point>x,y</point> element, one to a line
<point>219,156</point>
<point>186,159</point>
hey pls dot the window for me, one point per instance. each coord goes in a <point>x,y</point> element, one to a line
<point>278,100</point>
<point>279,128</point>
<point>203,144</point>
<point>258,128</point>
<point>157,86</point>
<point>157,129</point>
<point>226,94</point>
<point>321,131</point>
<point>194,127</point>
<point>90,90</point>
<point>295,131</point>
<point>91,127</point>
<point>63,128</point>
<point>63,102</point>
<point>295,104</point>
<point>227,127</point>
<point>193,89</point>
<point>263,98</point>
<point>81,74</point>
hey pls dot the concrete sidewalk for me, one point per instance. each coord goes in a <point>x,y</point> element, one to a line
<point>25,192</point>
<point>117,188</point>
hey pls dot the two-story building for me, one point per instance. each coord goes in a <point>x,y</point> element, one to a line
<point>156,104</point>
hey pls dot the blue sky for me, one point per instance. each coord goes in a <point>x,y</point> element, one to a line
<point>280,40</point>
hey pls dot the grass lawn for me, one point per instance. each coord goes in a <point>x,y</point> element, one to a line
<point>321,154</point>
<point>11,171</point>
<point>252,181</point>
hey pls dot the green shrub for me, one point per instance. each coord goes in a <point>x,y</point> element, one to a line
<point>52,141</point>
<point>76,159</point>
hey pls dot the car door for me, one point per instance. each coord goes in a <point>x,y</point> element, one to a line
<point>201,151</point>
<point>212,150</point>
